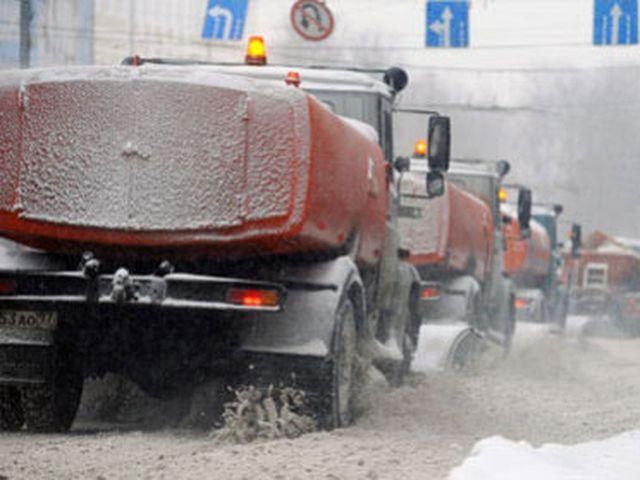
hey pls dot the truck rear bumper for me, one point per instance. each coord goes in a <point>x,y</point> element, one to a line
<point>177,325</point>
<point>172,291</point>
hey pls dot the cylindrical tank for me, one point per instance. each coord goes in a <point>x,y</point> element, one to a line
<point>526,260</point>
<point>450,234</point>
<point>181,160</point>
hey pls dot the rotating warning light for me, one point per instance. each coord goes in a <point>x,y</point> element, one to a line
<point>293,78</point>
<point>420,149</point>
<point>256,51</point>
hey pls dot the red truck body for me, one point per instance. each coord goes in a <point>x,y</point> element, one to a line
<point>622,263</point>
<point>452,233</point>
<point>526,260</point>
<point>85,169</point>
<point>623,269</point>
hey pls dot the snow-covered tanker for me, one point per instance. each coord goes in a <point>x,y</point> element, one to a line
<point>456,244</point>
<point>533,258</point>
<point>177,223</point>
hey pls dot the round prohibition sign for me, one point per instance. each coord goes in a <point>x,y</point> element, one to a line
<point>312,19</point>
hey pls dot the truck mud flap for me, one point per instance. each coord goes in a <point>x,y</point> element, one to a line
<point>273,372</point>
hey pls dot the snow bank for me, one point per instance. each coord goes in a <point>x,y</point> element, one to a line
<point>497,458</point>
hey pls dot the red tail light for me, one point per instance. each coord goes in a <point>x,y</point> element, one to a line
<point>431,292</point>
<point>522,303</point>
<point>7,287</point>
<point>250,297</point>
<point>293,78</point>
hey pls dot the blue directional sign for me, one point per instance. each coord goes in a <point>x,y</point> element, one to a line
<point>447,23</point>
<point>224,19</point>
<point>615,22</point>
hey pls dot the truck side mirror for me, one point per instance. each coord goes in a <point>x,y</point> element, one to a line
<point>396,78</point>
<point>435,184</point>
<point>525,200</point>
<point>576,240</point>
<point>504,167</point>
<point>439,143</point>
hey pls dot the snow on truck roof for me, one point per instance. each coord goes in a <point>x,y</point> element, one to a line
<point>547,210</point>
<point>312,78</point>
<point>463,166</point>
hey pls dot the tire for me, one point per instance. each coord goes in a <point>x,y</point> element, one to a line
<point>51,407</point>
<point>11,413</point>
<point>464,352</point>
<point>343,368</point>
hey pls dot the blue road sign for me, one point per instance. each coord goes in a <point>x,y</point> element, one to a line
<point>224,19</point>
<point>447,23</point>
<point>615,22</point>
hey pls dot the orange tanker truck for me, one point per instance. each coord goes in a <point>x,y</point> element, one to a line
<point>532,259</point>
<point>606,281</point>
<point>176,223</point>
<point>455,242</point>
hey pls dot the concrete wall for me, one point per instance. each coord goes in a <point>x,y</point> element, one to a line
<point>61,32</point>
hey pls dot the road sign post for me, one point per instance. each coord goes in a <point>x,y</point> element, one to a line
<point>225,19</point>
<point>447,23</point>
<point>615,22</point>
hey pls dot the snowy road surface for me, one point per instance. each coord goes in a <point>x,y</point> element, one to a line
<point>549,391</point>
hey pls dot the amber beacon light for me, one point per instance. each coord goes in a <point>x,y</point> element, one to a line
<point>256,51</point>
<point>420,149</point>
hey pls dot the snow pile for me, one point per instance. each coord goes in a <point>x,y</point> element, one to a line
<point>496,458</point>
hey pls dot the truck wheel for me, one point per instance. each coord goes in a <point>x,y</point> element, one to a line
<point>11,413</point>
<point>343,369</point>
<point>51,407</point>
<point>464,352</point>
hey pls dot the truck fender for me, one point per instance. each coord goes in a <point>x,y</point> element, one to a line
<point>305,325</point>
<point>457,293</point>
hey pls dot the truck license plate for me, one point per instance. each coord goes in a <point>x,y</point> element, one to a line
<point>29,319</point>
<point>26,363</point>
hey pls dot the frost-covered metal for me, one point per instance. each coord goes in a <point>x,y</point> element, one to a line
<point>173,157</point>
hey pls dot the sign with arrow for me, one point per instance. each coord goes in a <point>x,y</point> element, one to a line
<point>447,23</point>
<point>615,22</point>
<point>225,19</point>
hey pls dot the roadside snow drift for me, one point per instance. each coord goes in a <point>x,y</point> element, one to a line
<point>496,458</point>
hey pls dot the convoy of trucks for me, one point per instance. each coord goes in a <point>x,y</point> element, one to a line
<point>456,243</point>
<point>532,260</point>
<point>174,222</point>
